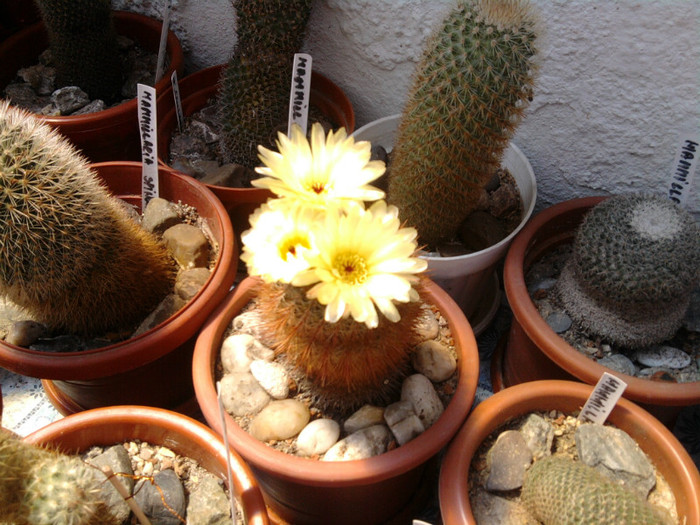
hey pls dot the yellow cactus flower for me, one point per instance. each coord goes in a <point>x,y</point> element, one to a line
<point>328,169</point>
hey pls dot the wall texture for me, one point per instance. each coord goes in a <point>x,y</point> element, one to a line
<point>619,80</point>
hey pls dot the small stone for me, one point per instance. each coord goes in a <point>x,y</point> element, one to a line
<point>239,350</point>
<point>538,434</point>
<point>619,363</point>
<point>203,131</point>
<point>190,282</point>
<point>208,503</point>
<point>281,419</point>
<point>365,443</point>
<point>366,416</point>
<point>25,333</point>
<point>68,99</point>
<point>22,95</point>
<point>241,394</point>
<point>434,360</point>
<point>40,77</point>
<point>559,322</point>
<point>117,459</point>
<point>403,421</point>
<point>202,167</point>
<point>427,326</point>
<point>228,175</point>
<point>419,390</point>
<point>504,201</point>
<point>317,437</point>
<point>92,107</point>
<point>153,501</point>
<point>165,310</point>
<point>272,377</point>
<point>481,230</point>
<point>248,323</point>
<point>186,147</point>
<point>663,356</point>
<point>159,215</point>
<point>188,245</point>
<point>508,459</point>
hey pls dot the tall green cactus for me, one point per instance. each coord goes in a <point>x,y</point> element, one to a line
<point>84,46</point>
<point>69,252</point>
<point>254,88</point>
<point>560,491</point>
<point>468,94</point>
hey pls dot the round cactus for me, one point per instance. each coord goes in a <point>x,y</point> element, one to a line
<point>560,491</point>
<point>70,253</point>
<point>632,271</point>
<point>468,95</point>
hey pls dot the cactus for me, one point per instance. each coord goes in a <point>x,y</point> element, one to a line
<point>632,271</point>
<point>83,45</point>
<point>558,490</point>
<point>69,252</point>
<point>43,487</point>
<point>468,94</point>
<point>254,88</point>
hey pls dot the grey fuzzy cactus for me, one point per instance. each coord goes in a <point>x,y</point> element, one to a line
<point>560,491</point>
<point>468,95</point>
<point>632,271</point>
<point>83,46</point>
<point>70,253</point>
<point>254,87</point>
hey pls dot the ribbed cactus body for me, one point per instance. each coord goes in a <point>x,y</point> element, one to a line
<point>343,364</point>
<point>468,94</point>
<point>69,252</point>
<point>632,270</point>
<point>254,88</point>
<point>84,46</point>
<point>561,491</point>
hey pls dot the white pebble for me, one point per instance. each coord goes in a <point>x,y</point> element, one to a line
<point>365,417</point>
<point>664,356</point>
<point>239,350</point>
<point>403,421</point>
<point>317,437</point>
<point>434,360</point>
<point>281,419</point>
<point>241,394</point>
<point>419,390</point>
<point>362,444</point>
<point>427,326</point>
<point>272,377</point>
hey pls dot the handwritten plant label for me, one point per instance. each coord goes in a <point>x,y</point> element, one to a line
<point>602,400</point>
<point>163,40</point>
<point>149,144</point>
<point>299,95</point>
<point>179,114</point>
<point>684,166</point>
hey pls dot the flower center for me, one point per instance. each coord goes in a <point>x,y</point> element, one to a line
<point>288,246</point>
<point>350,268</point>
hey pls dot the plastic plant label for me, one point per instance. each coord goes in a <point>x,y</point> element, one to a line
<point>149,145</point>
<point>179,113</point>
<point>684,166</point>
<point>229,470</point>
<point>602,400</point>
<point>300,92</point>
<point>163,40</point>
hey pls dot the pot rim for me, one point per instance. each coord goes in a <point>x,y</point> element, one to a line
<point>341,473</point>
<point>555,347</point>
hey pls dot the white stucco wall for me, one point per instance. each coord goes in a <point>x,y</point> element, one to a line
<point>619,79</point>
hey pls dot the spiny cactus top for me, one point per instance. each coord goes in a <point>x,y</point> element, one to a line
<point>468,94</point>
<point>633,268</point>
<point>84,46</point>
<point>69,252</point>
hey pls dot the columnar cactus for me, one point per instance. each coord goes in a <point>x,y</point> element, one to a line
<point>254,88</point>
<point>468,94</point>
<point>560,491</point>
<point>84,46</point>
<point>632,271</point>
<point>70,254</point>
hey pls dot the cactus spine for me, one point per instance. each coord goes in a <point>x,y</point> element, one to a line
<point>84,46</point>
<point>561,491</point>
<point>254,88</point>
<point>69,252</point>
<point>468,94</point>
<point>633,269</point>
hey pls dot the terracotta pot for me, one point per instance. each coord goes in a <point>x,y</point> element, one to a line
<point>198,88</point>
<point>471,279</point>
<point>374,490</point>
<point>155,367</point>
<point>111,134</point>
<point>664,450</point>
<point>534,351</point>
<point>184,436</point>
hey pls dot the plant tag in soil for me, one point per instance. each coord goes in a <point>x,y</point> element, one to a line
<point>300,93</point>
<point>603,399</point>
<point>160,64</point>
<point>177,99</point>
<point>684,166</point>
<point>224,432</point>
<point>149,144</point>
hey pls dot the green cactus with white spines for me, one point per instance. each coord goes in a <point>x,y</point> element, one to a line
<point>254,88</point>
<point>70,254</point>
<point>633,269</point>
<point>83,46</point>
<point>560,491</point>
<point>468,95</point>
